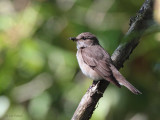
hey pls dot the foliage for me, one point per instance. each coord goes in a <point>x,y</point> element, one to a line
<point>39,75</point>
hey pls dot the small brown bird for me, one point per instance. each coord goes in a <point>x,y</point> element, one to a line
<point>96,63</point>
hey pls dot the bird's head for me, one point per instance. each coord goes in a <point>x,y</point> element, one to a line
<point>85,39</point>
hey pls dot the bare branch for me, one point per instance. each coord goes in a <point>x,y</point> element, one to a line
<point>138,24</point>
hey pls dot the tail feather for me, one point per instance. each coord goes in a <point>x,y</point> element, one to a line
<point>118,76</point>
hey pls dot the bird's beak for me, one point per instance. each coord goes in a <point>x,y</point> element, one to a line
<point>73,38</point>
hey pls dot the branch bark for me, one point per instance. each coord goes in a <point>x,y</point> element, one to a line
<point>138,25</point>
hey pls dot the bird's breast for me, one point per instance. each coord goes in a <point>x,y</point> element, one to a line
<point>86,69</point>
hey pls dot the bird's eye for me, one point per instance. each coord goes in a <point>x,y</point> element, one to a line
<point>83,38</point>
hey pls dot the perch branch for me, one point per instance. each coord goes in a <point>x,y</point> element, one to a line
<point>138,24</point>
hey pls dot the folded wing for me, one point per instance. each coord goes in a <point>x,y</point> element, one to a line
<point>99,62</point>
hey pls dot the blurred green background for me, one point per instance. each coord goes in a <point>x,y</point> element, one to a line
<point>39,74</point>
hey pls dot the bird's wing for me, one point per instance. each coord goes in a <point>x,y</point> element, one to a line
<point>99,60</point>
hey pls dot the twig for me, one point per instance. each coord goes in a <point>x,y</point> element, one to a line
<point>138,24</point>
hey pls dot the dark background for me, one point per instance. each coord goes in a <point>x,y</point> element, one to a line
<point>39,74</point>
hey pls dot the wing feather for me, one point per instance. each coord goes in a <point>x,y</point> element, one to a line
<point>98,60</point>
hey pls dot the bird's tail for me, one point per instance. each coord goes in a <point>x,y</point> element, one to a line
<point>122,81</point>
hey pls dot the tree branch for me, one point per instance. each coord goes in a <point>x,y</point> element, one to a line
<point>138,24</point>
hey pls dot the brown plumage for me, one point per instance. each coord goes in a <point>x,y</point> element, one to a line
<point>96,63</point>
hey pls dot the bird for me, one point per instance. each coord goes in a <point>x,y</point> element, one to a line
<point>95,62</point>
